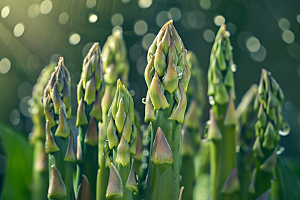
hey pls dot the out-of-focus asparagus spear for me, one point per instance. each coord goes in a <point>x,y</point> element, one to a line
<point>246,116</point>
<point>59,143</point>
<point>89,93</point>
<point>40,179</point>
<point>115,66</point>
<point>167,76</point>
<point>121,145</point>
<point>221,131</point>
<point>269,123</point>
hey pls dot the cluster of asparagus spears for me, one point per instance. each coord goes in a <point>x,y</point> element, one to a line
<point>114,157</point>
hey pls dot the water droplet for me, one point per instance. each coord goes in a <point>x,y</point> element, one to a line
<point>233,68</point>
<point>269,73</point>
<point>280,150</point>
<point>237,148</point>
<point>144,100</point>
<point>144,165</point>
<point>227,34</point>
<point>285,129</point>
<point>211,100</point>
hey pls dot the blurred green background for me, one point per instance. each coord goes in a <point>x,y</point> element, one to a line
<point>33,33</point>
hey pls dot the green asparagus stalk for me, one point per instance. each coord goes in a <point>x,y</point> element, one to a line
<point>267,104</point>
<point>167,76</point>
<point>89,93</point>
<point>190,136</point>
<point>221,131</point>
<point>59,144</point>
<point>40,179</point>
<point>246,116</point>
<point>115,65</point>
<point>122,142</point>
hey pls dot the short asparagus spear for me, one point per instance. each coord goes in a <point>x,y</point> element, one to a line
<point>267,104</point>
<point>167,76</point>
<point>59,143</point>
<point>246,116</point>
<point>40,179</point>
<point>221,131</point>
<point>122,142</point>
<point>89,93</point>
<point>115,66</point>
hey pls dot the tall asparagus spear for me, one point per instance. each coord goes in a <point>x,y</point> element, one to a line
<point>122,142</point>
<point>190,136</point>
<point>59,143</point>
<point>89,93</point>
<point>221,132</point>
<point>267,104</point>
<point>40,179</point>
<point>167,76</point>
<point>246,116</point>
<point>115,65</point>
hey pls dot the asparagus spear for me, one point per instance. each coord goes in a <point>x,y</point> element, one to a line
<point>246,116</point>
<point>59,144</point>
<point>267,104</point>
<point>167,76</point>
<point>121,145</point>
<point>190,136</point>
<point>221,131</point>
<point>115,65</point>
<point>89,92</point>
<point>40,179</point>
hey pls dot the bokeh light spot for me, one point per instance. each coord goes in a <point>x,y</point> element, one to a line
<point>147,40</point>
<point>117,28</point>
<point>24,106</point>
<point>117,19</point>
<point>46,7</point>
<point>125,1</point>
<point>231,28</point>
<point>205,4</point>
<point>93,18</point>
<point>252,44</point>
<point>4,65</point>
<point>14,117</point>
<point>24,90</point>
<point>74,39</point>
<point>19,30</point>
<point>294,50</point>
<point>208,35</point>
<point>5,11</point>
<point>289,105</point>
<point>298,18</point>
<point>162,18</point>
<point>284,24</point>
<point>135,51</point>
<point>219,20</point>
<point>260,55</point>
<point>91,3</point>
<point>175,14</point>
<point>288,36</point>
<point>140,27</point>
<point>144,3</point>
<point>196,19</point>
<point>63,18</point>
<point>141,64</point>
<point>33,10</point>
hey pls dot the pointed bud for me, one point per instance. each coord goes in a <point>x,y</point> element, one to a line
<point>131,183</point>
<point>133,141</point>
<point>50,145</point>
<point>221,59</point>
<point>173,52</point>
<point>251,188</point>
<point>106,151</point>
<point>229,80</point>
<point>170,82</point>
<point>48,114</point>
<point>214,132</point>
<point>84,190</point>
<point>86,73</point>
<point>161,153</point>
<point>176,38</point>
<point>106,99</point>
<point>185,77</point>
<point>111,74</point>
<point>257,149</point>
<point>264,196</point>
<point>81,118</point>
<point>91,136</point>
<point>261,116</point>
<point>115,186</point>
<point>221,96</point>
<point>182,58</point>
<point>98,75</point>
<point>269,165</point>
<point>123,154</point>
<point>70,154</point>
<point>149,110</point>
<point>63,129</point>
<point>79,90</point>
<point>230,118</point>
<point>232,184</point>
<point>97,111</point>
<point>56,99</point>
<point>127,129</point>
<point>160,60</point>
<point>186,144</point>
<point>191,117</point>
<point>157,96</point>
<point>120,117</point>
<point>66,94</point>
<point>152,49</point>
<point>166,41</point>
<point>180,193</point>
<point>269,137</point>
<point>57,187</point>
<point>179,112</point>
<point>147,73</point>
<point>138,156</point>
<point>79,151</point>
<point>113,139</point>
<point>114,104</point>
<point>90,90</point>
